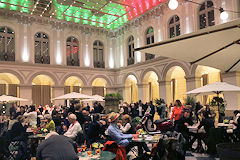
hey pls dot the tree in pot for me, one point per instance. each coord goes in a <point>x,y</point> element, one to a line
<point>220,104</point>
<point>112,101</point>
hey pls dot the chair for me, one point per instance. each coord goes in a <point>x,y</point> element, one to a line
<point>120,151</point>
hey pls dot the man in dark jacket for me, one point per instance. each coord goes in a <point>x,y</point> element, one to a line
<point>56,147</point>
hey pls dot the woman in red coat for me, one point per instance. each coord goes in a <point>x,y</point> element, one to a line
<point>177,111</point>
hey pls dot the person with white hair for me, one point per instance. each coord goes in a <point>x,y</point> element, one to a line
<point>74,128</point>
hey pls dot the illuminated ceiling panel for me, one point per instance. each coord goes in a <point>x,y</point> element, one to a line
<point>109,14</point>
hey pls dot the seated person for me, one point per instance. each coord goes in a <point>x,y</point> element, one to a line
<point>236,122</point>
<point>120,138</point>
<point>74,127</point>
<point>183,123</point>
<point>206,122</point>
<point>114,131</point>
<point>96,129</point>
<point>18,131</point>
<point>56,147</point>
<point>128,127</point>
<point>50,126</point>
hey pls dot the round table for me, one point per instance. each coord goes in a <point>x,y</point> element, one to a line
<point>104,155</point>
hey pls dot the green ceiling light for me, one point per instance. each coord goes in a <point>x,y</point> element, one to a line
<point>2,5</point>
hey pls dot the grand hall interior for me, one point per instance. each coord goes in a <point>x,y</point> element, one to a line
<point>120,79</point>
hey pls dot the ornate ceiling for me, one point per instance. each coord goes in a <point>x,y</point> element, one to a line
<point>109,14</point>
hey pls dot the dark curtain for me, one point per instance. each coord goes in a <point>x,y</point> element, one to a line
<point>173,89</point>
<point>205,82</point>
<point>66,89</point>
<point>12,90</point>
<point>2,89</point>
<point>41,94</point>
<point>76,89</point>
<point>98,91</point>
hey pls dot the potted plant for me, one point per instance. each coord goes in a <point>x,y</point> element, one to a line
<point>112,101</point>
<point>220,104</point>
<point>190,102</point>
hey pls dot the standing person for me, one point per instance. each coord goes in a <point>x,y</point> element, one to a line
<point>198,107</point>
<point>177,111</point>
<point>14,109</point>
<point>140,109</point>
<point>31,116</point>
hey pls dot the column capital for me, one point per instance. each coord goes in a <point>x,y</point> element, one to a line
<point>163,82</point>
<point>192,78</point>
<point>142,84</point>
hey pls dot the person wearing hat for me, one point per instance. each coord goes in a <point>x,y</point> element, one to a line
<point>123,139</point>
<point>115,133</point>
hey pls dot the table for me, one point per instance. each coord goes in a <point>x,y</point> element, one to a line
<point>35,140</point>
<point>104,155</point>
<point>147,139</point>
<point>37,136</point>
<point>225,125</point>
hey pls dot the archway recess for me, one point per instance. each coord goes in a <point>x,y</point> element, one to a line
<point>131,89</point>
<point>177,87</point>
<point>42,90</point>
<point>73,84</point>
<point>151,89</point>
<point>9,84</point>
<point>99,87</point>
<point>207,75</point>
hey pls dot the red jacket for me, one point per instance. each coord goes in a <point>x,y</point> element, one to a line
<point>117,149</point>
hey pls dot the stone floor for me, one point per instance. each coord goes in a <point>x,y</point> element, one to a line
<point>199,156</point>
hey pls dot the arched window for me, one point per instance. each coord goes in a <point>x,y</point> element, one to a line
<point>206,15</point>
<point>130,50</point>
<point>149,40</point>
<point>7,45</point>
<point>174,26</point>
<point>98,54</point>
<point>72,51</point>
<point>41,48</point>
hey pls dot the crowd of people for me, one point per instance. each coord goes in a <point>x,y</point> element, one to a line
<point>88,125</point>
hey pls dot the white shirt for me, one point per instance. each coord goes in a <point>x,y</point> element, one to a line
<point>32,118</point>
<point>73,130</point>
<point>125,128</point>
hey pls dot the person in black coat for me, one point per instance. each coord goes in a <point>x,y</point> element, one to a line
<point>18,131</point>
<point>56,147</point>
<point>96,130</point>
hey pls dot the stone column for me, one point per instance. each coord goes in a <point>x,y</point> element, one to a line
<point>193,83</point>
<point>58,91</point>
<point>165,91</point>
<point>142,94</point>
<point>25,92</point>
<point>232,99</point>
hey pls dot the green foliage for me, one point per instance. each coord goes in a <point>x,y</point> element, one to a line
<point>114,95</point>
<point>218,101</point>
<point>190,101</point>
<point>159,101</point>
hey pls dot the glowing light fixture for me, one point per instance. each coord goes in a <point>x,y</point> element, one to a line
<point>223,15</point>
<point>173,4</point>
